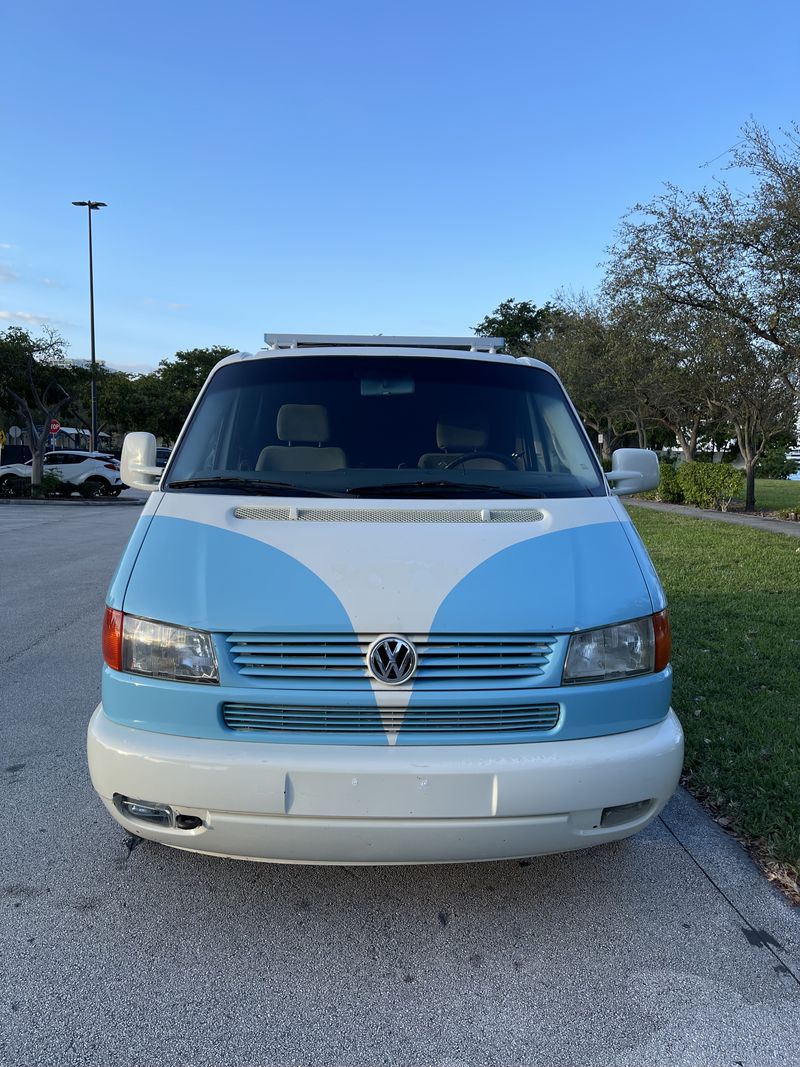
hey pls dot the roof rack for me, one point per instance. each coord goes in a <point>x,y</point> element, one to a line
<point>335,340</point>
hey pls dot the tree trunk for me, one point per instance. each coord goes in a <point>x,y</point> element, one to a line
<point>750,484</point>
<point>686,441</point>
<point>641,431</point>
<point>599,432</point>
<point>36,452</point>
<point>605,427</point>
<point>751,446</point>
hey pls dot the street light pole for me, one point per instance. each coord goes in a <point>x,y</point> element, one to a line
<point>92,205</point>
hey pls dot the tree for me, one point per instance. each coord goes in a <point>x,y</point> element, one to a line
<point>728,265</point>
<point>747,393</point>
<point>736,256</point>
<point>157,402</point>
<point>521,323</point>
<point>573,338</point>
<point>121,400</point>
<point>32,380</point>
<point>581,349</point>
<point>664,366</point>
<point>632,355</point>
<point>175,385</point>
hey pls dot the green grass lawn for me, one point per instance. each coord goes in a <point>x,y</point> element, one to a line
<point>775,495</point>
<point>734,599</point>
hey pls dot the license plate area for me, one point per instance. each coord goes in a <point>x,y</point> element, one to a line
<point>391,796</point>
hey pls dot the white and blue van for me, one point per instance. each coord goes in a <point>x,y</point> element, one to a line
<point>383,606</point>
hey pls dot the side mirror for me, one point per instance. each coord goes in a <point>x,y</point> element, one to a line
<point>138,464</point>
<point>633,470</point>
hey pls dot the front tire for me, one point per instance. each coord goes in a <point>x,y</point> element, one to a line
<point>94,488</point>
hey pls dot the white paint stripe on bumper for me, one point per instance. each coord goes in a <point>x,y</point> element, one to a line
<point>364,804</point>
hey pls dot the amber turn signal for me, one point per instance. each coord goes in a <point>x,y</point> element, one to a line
<point>663,636</point>
<point>112,639</point>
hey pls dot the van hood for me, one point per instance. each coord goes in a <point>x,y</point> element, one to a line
<point>228,563</point>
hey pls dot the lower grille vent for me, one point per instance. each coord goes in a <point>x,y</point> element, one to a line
<point>422,720</point>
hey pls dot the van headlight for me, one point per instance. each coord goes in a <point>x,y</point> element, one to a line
<point>629,648</point>
<point>158,649</point>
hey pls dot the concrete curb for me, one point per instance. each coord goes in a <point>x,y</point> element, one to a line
<point>736,876</point>
<point>77,502</point>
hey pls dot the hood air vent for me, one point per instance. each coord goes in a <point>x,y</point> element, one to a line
<point>439,515</point>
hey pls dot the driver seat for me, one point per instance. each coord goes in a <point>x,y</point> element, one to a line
<point>456,440</point>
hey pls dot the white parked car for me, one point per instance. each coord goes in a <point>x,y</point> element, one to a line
<point>98,471</point>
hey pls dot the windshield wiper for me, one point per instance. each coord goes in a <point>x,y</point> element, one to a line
<point>441,487</point>
<point>248,485</point>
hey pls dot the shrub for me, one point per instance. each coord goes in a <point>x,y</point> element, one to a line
<point>51,485</point>
<point>710,485</point>
<point>15,486</point>
<point>668,490</point>
<point>774,464</point>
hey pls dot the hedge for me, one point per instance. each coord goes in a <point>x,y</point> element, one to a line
<point>710,485</point>
<point>703,485</point>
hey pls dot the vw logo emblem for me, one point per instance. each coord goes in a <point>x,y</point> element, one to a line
<point>392,659</point>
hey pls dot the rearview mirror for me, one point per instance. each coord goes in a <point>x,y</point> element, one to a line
<point>138,464</point>
<point>633,470</point>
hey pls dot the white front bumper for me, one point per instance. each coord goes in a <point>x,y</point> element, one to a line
<point>364,804</point>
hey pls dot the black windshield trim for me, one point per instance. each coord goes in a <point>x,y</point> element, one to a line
<point>256,486</point>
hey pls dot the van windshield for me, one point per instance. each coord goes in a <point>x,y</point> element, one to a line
<point>399,426</point>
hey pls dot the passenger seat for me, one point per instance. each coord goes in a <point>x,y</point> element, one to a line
<point>304,428</point>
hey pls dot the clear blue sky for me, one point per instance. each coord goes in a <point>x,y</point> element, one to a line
<point>351,166</point>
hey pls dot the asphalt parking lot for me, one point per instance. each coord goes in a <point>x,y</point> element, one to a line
<point>669,948</point>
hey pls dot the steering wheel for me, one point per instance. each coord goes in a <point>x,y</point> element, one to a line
<point>507,461</point>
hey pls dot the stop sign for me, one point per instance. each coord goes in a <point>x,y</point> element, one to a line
<point>55,426</point>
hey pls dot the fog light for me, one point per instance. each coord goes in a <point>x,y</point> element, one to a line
<point>188,822</point>
<point>144,810</point>
<point>624,813</point>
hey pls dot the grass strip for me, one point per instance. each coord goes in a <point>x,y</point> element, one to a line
<point>772,494</point>
<point>734,599</point>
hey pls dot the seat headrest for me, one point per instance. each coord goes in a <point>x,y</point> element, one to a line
<point>453,435</point>
<point>303,422</point>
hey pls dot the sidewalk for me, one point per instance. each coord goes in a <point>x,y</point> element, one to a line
<point>782,526</point>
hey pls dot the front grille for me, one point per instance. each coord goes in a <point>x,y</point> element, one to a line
<point>465,722</point>
<point>479,660</point>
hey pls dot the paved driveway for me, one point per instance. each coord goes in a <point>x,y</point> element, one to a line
<point>666,949</point>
